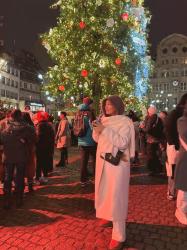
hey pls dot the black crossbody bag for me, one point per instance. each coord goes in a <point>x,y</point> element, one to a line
<point>111,159</point>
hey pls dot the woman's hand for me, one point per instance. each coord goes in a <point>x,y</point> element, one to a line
<point>97,126</point>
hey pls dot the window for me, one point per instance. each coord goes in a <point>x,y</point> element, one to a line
<point>165,51</point>
<point>174,50</point>
<point>184,49</point>
<point>16,84</point>
<point>183,86</point>
<point>2,79</point>
<point>25,85</point>
<point>3,92</point>
<point>8,81</point>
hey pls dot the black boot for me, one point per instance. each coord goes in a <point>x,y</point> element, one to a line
<point>7,201</point>
<point>30,187</point>
<point>19,200</point>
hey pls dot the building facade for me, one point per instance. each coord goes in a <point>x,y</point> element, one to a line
<point>169,79</point>
<point>19,82</point>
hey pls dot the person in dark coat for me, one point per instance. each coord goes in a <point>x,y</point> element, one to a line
<point>172,138</point>
<point>44,147</point>
<point>154,135</point>
<point>15,139</point>
<point>31,166</point>
<point>181,170</point>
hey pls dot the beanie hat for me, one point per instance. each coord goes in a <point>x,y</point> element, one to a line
<point>116,102</point>
<point>87,100</point>
<point>152,110</point>
<point>42,116</point>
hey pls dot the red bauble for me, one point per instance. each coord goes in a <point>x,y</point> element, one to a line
<point>84,73</point>
<point>82,25</point>
<point>118,61</point>
<point>125,16</point>
<point>61,88</point>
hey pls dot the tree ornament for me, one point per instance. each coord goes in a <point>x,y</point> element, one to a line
<point>82,25</point>
<point>110,22</point>
<point>84,73</point>
<point>118,61</point>
<point>61,88</point>
<point>125,16</point>
<point>98,2</point>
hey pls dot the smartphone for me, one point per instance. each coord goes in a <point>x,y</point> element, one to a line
<point>96,122</point>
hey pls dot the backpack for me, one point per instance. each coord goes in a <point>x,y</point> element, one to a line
<point>79,128</point>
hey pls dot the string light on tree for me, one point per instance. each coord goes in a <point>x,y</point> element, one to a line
<point>97,55</point>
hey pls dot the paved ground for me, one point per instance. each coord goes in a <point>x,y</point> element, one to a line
<point>61,216</point>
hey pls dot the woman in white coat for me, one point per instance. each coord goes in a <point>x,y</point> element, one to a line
<point>115,132</point>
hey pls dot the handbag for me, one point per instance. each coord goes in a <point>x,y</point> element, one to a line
<point>114,160</point>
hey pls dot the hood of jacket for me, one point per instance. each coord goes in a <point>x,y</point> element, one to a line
<point>84,107</point>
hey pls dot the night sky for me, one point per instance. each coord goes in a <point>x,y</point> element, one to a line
<point>26,19</point>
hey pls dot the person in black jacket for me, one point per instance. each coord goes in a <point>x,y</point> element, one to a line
<point>172,139</point>
<point>15,139</point>
<point>44,147</point>
<point>154,135</point>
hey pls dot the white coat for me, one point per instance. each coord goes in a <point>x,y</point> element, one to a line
<point>112,182</point>
<point>172,154</point>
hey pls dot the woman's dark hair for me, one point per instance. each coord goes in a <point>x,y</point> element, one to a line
<point>16,115</point>
<point>133,116</point>
<point>63,113</point>
<point>182,101</point>
<point>27,118</point>
<point>181,105</point>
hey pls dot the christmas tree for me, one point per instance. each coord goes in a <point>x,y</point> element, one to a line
<point>99,48</point>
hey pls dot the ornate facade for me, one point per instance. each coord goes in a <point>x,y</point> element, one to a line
<point>169,79</point>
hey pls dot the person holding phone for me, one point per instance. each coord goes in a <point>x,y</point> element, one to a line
<point>114,134</point>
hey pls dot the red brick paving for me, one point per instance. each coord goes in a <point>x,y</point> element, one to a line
<point>61,216</point>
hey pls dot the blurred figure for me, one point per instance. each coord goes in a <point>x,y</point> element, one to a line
<point>3,126</point>
<point>163,115</point>
<point>136,124</point>
<point>114,133</point>
<point>172,138</point>
<point>181,170</point>
<point>153,128</point>
<point>15,140</point>
<point>44,147</point>
<point>31,165</point>
<point>28,110</point>
<point>86,142</point>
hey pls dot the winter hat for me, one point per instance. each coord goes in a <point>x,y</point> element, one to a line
<point>42,116</point>
<point>116,102</point>
<point>87,100</point>
<point>152,110</point>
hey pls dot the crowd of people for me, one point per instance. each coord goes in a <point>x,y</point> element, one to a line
<point>112,140</point>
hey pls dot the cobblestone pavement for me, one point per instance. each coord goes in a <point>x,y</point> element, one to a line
<point>61,216</point>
